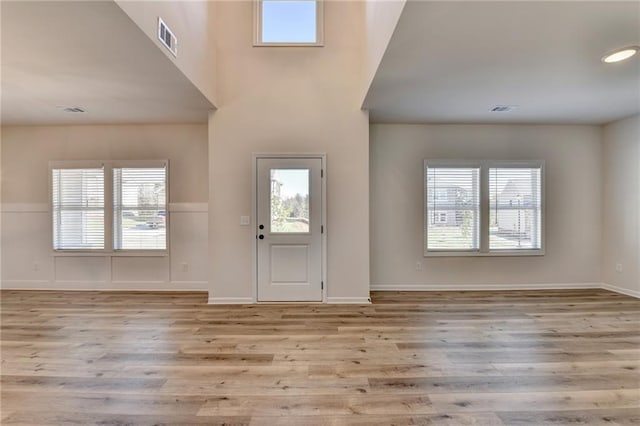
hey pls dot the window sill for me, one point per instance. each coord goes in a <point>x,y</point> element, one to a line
<point>284,44</point>
<point>500,253</point>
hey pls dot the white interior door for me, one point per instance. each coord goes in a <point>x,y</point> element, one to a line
<point>289,229</point>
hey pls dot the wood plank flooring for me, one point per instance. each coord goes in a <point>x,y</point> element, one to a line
<point>410,358</point>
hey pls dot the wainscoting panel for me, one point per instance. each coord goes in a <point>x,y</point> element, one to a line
<point>28,261</point>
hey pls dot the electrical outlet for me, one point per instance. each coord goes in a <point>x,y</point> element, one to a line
<point>185,267</point>
<point>418,266</point>
<point>618,267</point>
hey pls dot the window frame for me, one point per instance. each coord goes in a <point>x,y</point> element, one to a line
<point>257,28</point>
<point>109,231</point>
<point>484,219</point>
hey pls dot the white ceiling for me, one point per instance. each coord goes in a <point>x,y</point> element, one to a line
<point>88,54</point>
<point>451,62</point>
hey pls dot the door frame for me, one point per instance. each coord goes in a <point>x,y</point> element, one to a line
<point>254,217</point>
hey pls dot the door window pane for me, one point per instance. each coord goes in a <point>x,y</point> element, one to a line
<point>290,200</point>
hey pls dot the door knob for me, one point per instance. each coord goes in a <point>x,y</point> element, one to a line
<point>261,226</point>
<point>261,236</point>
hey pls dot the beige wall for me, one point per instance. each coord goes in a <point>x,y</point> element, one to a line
<point>27,258</point>
<point>190,21</point>
<point>289,99</point>
<point>621,201</point>
<point>26,152</point>
<point>573,205</point>
<point>381,18</point>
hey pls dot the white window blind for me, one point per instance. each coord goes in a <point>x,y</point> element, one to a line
<point>515,214</point>
<point>78,209</point>
<point>140,208</point>
<point>452,208</point>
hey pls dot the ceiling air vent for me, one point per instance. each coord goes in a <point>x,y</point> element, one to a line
<point>73,109</point>
<point>167,37</point>
<point>503,108</point>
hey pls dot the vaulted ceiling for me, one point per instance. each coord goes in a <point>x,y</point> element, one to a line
<point>452,62</point>
<point>447,62</point>
<point>88,54</point>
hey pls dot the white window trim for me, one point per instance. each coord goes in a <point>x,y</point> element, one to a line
<point>484,166</point>
<point>257,28</point>
<point>108,207</point>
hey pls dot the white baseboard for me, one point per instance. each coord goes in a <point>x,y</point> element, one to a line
<point>157,286</point>
<point>231,300</point>
<point>26,285</point>
<point>250,301</point>
<point>482,287</point>
<point>203,286</point>
<point>104,285</point>
<point>348,300</point>
<point>200,284</point>
<point>621,290</point>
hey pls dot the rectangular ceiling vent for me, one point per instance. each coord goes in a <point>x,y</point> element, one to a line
<point>503,108</point>
<point>167,37</point>
<point>73,109</point>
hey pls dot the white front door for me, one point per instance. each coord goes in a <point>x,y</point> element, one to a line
<point>289,229</point>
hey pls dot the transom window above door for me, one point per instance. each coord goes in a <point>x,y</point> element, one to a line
<point>288,23</point>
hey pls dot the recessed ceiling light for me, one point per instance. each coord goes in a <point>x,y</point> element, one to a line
<point>620,54</point>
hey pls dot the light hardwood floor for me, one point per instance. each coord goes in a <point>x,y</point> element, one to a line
<point>445,358</point>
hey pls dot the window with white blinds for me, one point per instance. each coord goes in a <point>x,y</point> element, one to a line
<point>140,208</point>
<point>484,207</point>
<point>118,206</point>
<point>78,208</point>
<point>453,208</point>
<point>515,201</point>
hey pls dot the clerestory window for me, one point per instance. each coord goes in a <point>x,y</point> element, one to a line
<point>288,23</point>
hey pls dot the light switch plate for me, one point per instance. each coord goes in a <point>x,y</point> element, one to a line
<point>244,220</point>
